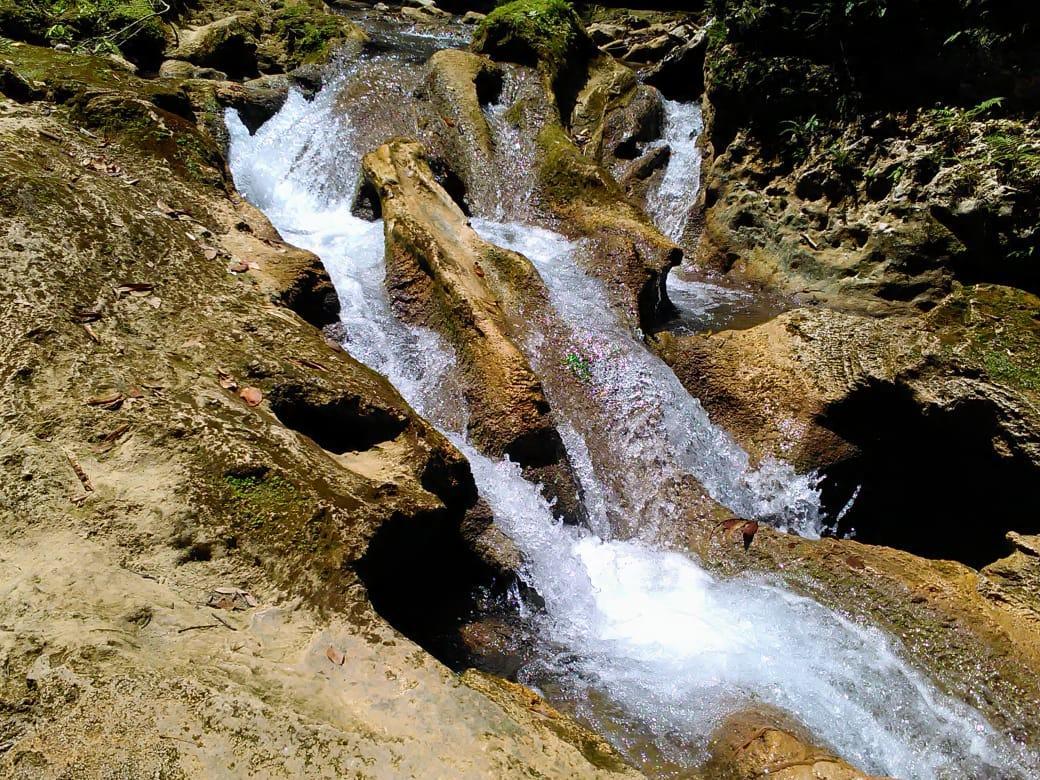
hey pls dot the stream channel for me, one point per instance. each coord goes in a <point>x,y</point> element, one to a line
<point>634,636</point>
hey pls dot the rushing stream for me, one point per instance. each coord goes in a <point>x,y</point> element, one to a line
<point>638,640</point>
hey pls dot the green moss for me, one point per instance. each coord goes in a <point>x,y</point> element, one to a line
<point>259,498</point>
<point>1001,328</point>
<point>309,34</point>
<point>566,175</point>
<point>531,31</point>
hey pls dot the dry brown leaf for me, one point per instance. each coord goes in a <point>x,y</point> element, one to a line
<point>86,315</point>
<point>90,332</point>
<point>116,434</point>
<point>238,267</point>
<point>251,395</point>
<point>110,399</point>
<point>335,655</point>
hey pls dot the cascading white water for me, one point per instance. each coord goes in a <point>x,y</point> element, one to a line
<point>667,646</point>
<point>670,204</point>
<point>653,420</point>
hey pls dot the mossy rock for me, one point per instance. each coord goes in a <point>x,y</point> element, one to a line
<point>308,35</point>
<point>534,32</point>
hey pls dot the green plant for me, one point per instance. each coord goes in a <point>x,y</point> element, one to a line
<point>579,366</point>
<point>800,131</point>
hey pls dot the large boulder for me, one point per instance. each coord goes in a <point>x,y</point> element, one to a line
<point>902,415</point>
<point>228,45</point>
<point>442,275</point>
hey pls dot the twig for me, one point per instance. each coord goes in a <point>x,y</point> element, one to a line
<point>80,473</point>
<point>194,628</point>
<point>218,617</point>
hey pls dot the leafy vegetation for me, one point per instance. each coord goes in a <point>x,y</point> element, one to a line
<point>132,27</point>
<point>579,366</point>
<point>307,31</point>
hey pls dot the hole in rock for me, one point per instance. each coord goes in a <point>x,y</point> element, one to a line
<point>489,84</point>
<point>424,577</point>
<point>452,183</point>
<point>933,481</point>
<point>366,204</point>
<point>342,424</point>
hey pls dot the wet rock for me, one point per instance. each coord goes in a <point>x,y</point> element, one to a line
<point>457,86</point>
<point>680,75</point>
<point>631,256</point>
<point>754,744</point>
<point>439,275</point>
<point>893,412</point>
<point>425,13</point>
<point>228,45</point>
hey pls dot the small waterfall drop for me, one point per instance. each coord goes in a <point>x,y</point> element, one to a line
<point>672,202</point>
<point>664,647</point>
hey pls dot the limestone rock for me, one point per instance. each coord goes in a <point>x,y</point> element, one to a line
<point>228,45</point>
<point>180,69</point>
<point>439,275</point>
<point>894,411</point>
<point>751,745</point>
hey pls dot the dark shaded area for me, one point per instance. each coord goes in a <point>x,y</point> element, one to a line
<point>931,481</point>
<point>367,205</point>
<point>341,424</point>
<point>452,183</point>
<point>489,84</point>
<point>424,578</point>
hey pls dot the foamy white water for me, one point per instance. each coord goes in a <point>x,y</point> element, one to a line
<point>649,631</point>
<point>652,419</point>
<point>672,202</point>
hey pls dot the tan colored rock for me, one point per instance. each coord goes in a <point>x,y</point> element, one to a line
<point>439,275</point>
<point>228,45</point>
<point>194,491</point>
<point>755,744</point>
<point>457,85</point>
<point>180,69</point>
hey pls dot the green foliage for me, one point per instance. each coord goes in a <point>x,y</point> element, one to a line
<point>579,366</point>
<point>92,26</point>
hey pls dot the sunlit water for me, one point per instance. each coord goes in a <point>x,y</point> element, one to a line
<point>672,202</point>
<point>665,648</point>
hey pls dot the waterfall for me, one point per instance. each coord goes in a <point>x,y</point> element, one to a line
<point>658,429</point>
<point>670,204</point>
<point>635,639</point>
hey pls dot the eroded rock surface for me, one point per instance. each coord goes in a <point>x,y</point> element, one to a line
<point>436,277</point>
<point>176,428</point>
